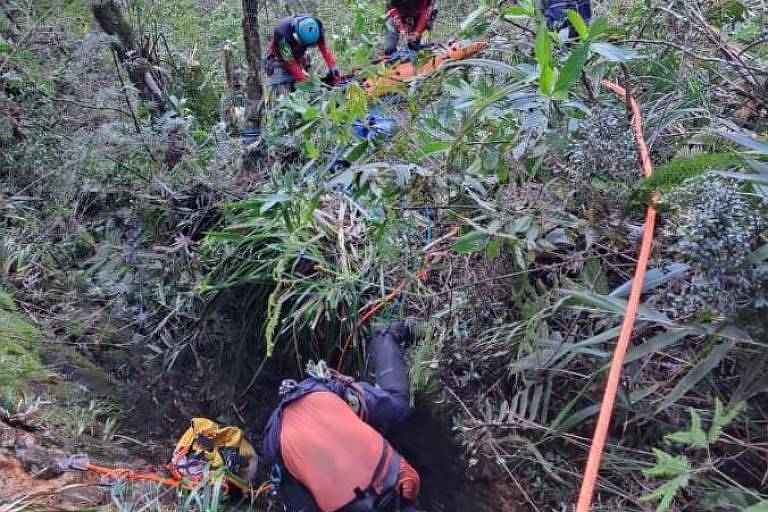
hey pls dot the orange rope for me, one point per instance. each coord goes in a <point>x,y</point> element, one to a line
<point>609,397</point>
<point>133,475</point>
<point>374,307</point>
<point>130,474</point>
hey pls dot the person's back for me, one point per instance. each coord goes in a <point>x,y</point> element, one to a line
<point>325,439</point>
<point>286,62</point>
<point>407,19</point>
<point>409,7</point>
<point>329,449</point>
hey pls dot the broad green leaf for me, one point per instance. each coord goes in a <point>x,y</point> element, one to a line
<point>434,147</point>
<point>578,417</point>
<point>472,17</point>
<point>493,249</point>
<point>310,113</point>
<point>571,70</point>
<point>751,143</point>
<point>516,11</point>
<point>578,23</point>
<point>755,178</point>
<point>618,306</point>
<point>613,53</point>
<point>269,201</point>
<point>469,243</point>
<point>761,506</point>
<point>603,337</point>
<point>311,150</point>
<point>356,152</point>
<point>495,65</point>
<point>598,27</point>
<point>524,8</point>
<point>697,373</point>
<point>657,343</point>
<point>694,436</point>
<point>543,47</point>
<point>547,80</point>
<point>757,166</point>
<point>653,278</point>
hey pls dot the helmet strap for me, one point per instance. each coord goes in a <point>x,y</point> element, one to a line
<point>295,26</point>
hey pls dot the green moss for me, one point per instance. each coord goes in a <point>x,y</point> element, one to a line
<point>19,359</point>
<point>677,170</point>
<point>6,301</point>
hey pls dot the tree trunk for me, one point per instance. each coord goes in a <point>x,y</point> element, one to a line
<point>253,86</point>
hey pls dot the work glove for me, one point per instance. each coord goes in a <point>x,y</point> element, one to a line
<point>332,77</point>
<point>415,46</point>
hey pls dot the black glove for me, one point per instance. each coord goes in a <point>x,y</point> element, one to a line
<point>415,46</point>
<point>402,332</point>
<point>332,77</point>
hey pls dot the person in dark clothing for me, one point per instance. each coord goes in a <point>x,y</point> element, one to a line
<point>407,19</point>
<point>286,61</point>
<point>325,439</point>
<point>555,13</point>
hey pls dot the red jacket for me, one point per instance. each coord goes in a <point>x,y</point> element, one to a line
<point>419,10</point>
<point>286,49</point>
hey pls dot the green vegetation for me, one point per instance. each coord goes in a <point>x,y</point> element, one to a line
<point>19,347</point>
<point>182,268</point>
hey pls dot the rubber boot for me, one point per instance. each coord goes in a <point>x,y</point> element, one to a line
<point>387,358</point>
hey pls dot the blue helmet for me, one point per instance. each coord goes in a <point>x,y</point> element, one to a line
<point>306,30</point>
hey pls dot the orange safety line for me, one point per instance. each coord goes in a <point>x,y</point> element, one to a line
<point>375,307</point>
<point>609,397</point>
<point>130,474</point>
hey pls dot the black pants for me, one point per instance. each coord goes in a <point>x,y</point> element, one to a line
<point>387,359</point>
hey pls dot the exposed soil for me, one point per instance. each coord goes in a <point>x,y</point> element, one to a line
<point>446,485</point>
<point>32,480</point>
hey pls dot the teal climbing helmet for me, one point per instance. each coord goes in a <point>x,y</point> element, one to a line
<point>307,30</point>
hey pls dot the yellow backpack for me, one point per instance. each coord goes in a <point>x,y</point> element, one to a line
<point>207,444</point>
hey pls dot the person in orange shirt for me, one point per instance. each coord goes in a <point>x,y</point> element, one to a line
<point>325,439</point>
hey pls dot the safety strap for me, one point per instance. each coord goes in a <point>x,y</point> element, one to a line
<point>382,487</point>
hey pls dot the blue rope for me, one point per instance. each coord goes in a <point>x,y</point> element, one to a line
<point>430,224</point>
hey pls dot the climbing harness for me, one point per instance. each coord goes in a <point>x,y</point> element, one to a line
<point>320,379</point>
<point>612,384</point>
<point>354,395</point>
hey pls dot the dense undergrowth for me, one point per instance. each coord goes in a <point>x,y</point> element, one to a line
<point>506,205</point>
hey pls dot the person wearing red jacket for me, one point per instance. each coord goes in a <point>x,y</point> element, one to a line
<point>407,19</point>
<point>286,61</point>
